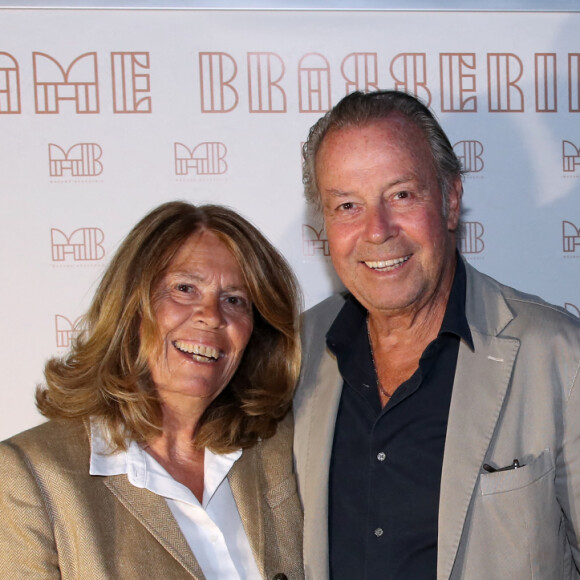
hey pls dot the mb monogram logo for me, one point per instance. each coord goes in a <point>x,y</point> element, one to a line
<point>204,159</point>
<point>570,236</point>
<point>82,245</point>
<point>313,241</point>
<point>470,238</point>
<point>65,330</point>
<point>470,154</point>
<point>570,156</point>
<point>80,160</point>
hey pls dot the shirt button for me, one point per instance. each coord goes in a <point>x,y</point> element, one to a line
<point>381,456</point>
<point>378,532</point>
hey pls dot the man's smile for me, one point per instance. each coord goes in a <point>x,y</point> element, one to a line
<point>387,265</point>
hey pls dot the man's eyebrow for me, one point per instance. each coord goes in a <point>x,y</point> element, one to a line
<point>338,192</point>
<point>399,181</point>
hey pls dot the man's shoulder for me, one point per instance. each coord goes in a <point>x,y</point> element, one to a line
<point>527,311</point>
<point>324,312</point>
<point>537,316</point>
<point>316,323</point>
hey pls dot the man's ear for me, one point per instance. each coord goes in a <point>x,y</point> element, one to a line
<point>454,204</point>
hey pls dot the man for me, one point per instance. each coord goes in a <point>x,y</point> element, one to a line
<point>438,412</point>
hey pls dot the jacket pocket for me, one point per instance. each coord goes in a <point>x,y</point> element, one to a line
<point>515,529</point>
<point>512,479</point>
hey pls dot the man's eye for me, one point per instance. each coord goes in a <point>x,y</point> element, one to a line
<point>347,206</point>
<point>402,195</point>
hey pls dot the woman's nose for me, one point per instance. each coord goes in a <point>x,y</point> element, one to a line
<point>208,312</point>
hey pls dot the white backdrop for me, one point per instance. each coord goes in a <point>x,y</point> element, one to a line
<point>104,114</point>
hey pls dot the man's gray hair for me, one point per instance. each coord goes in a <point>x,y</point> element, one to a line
<point>359,109</point>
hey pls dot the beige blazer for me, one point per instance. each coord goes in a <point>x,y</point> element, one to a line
<point>516,396</point>
<point>60,522</point>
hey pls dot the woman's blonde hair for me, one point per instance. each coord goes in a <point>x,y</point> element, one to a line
<point>105,375</point>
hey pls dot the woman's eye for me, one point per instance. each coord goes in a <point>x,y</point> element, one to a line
<point>184,288</point>
<point>237,301</point>
<point>346,206</point>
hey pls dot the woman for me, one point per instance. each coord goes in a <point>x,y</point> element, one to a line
<point>168,450</point>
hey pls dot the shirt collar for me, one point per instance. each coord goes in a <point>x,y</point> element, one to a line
<point>143,471</point>
<point>455,320</point>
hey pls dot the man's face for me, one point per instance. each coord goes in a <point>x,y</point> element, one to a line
<point>383,209</point>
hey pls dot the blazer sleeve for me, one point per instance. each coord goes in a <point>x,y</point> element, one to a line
<point>27,544</point>
<point>568,467</point>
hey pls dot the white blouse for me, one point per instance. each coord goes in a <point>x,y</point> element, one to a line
<point>213,529</point>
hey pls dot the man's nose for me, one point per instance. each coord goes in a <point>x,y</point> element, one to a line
<point>380,224</point>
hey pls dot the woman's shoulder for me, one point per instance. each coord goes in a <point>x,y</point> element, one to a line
<point>273,455</point>
<point>53,442</point>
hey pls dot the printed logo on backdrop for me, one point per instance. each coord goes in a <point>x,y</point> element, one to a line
<point>9,85</point>
<point>511,85</point>
<point>131,84</point>
<point>314,242</point>
<point>314,91</point>
<point>547,91</point>
<point>80,160</point>
<point>219,94</point>
<point>572,308</point>
<point>81,247</point>
<point>470,239</point>
<point>360,70</point>
<point>266,97</point>
<point>74,85</point>
<point>574,82</point>
<point>470,153</point>
<point>66,330</point>
<point>204,159</point>
<point>503,92</point>
<point>409,71</point>
<point>55,83</point>
<point>458,81</point>
<point>570,157</point>
<point>570,239</point>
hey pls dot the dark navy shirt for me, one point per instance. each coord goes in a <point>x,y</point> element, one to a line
<point>385,470</point>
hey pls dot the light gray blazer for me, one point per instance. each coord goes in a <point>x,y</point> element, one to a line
<point>60,522</point>
<point>516,396</point>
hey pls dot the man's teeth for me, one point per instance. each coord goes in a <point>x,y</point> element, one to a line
<point>198,352</point>
<point>387,264</point>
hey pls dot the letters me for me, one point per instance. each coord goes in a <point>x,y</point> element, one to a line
<point>77,82</point>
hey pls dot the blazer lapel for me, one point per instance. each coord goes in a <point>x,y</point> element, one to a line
<point>481,381</point>
<point>314,433</point>
<point>153,513</point>
<point>243,480</point>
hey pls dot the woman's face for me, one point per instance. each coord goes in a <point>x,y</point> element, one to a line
<point>204,319</point>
